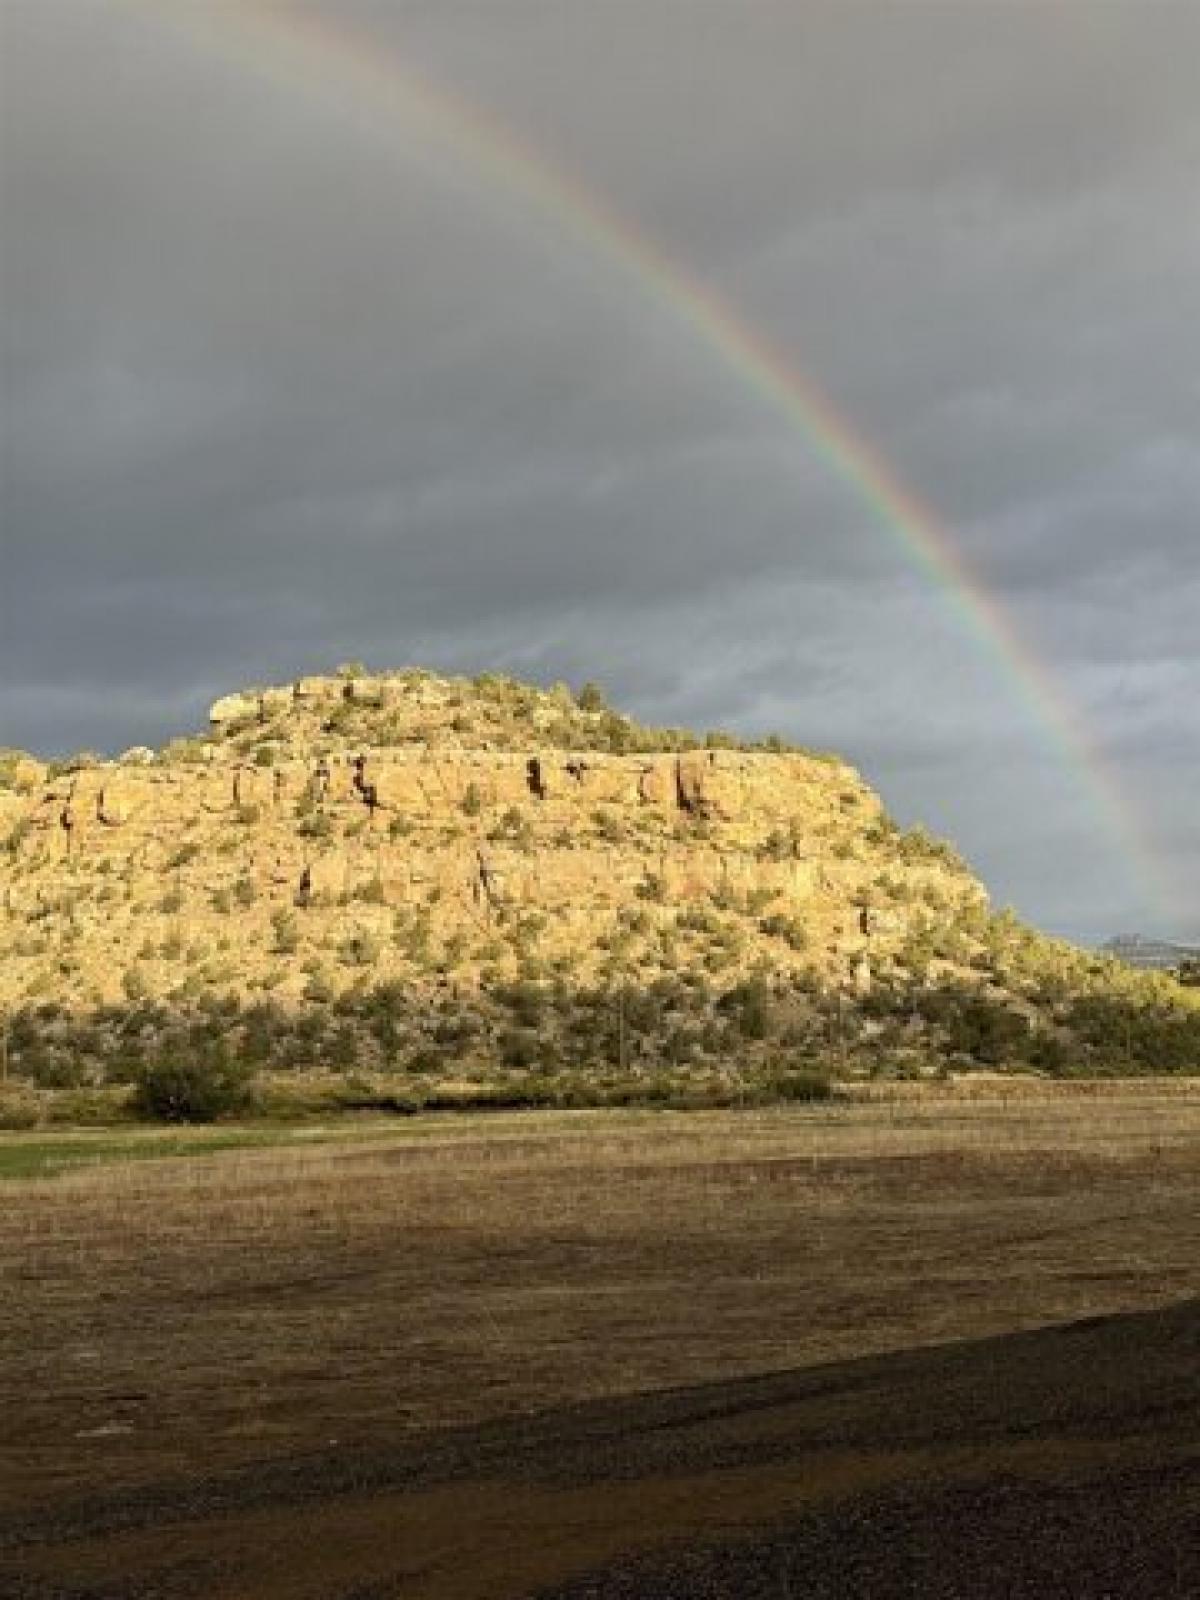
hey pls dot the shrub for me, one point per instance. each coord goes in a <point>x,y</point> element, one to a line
<point>193,1089</point>
<point>287,933</point>
<point>616,733</point>
<point>608,825</point>
<point>799,1083</point>
<point>17,1114</point>
<point>189,752</point>
<point>514,828</point>
<point>790,929</point>
<point>778,846</point>
<point>133,983</point>
<point>319,990</point>
<point>360,949</point>
<point>521,1047</point>
<point>9,762</point>
<point>17,835</point>
<point>918,844</point>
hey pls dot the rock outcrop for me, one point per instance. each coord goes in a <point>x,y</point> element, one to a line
<point>417,837</point>
<point>354,799</point>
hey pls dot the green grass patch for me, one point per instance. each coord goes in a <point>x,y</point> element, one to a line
<point>44,1155</point>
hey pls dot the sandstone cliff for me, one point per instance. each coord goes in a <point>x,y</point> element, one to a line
<point>446,843</point>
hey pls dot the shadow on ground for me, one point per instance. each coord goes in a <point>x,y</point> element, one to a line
<point>1062,1462</point>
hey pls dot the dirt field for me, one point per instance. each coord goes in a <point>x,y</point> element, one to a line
<point>311,1371</point>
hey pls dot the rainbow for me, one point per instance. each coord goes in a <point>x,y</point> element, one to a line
<point>285,43</point>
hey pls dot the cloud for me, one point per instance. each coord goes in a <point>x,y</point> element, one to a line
<point>285,383</point>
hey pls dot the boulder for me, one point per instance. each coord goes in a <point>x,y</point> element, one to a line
<point>232,708</point>
<point>397,785</point>
<point>691,774</point>
<point>656,783</point>
<point>119,799</point>
<point>314,688</point>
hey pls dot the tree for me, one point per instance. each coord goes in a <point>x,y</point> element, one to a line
<point>591,698</point>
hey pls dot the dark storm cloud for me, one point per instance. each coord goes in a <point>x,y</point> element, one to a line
<point>284,384</point>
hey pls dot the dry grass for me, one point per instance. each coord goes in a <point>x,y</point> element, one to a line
<point>260,1303</point>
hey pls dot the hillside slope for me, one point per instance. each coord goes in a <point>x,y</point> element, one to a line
<point>451,878</point>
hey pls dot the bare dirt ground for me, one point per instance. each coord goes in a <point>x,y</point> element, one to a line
<point>440,1364</point>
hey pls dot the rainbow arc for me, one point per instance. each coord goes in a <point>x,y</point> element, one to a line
<point>328,59</point>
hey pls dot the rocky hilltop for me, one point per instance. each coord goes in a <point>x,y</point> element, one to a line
<point>405,873</point>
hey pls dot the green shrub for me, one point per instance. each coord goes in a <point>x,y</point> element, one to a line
<point>319,990</point>
<point>17,835</point>
<point>513,828</point>
<point>790,929</point>
<point>198,1088</point>
<point>798,1083</point>
<point>17,1114</point>
<point>616,733</point>
<point>360,949</point>
<point>521,1047</point>
<point>134,984</point>
<point>748,1006</point>
<point>608,825</point>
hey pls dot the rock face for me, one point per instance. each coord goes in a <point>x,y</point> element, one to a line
<point>514,831</point>
<point>385,872</point>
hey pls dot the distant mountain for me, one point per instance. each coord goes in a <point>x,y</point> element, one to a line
<point>1151,955</point>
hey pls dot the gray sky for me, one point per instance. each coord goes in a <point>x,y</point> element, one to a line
<point>291,378</point>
